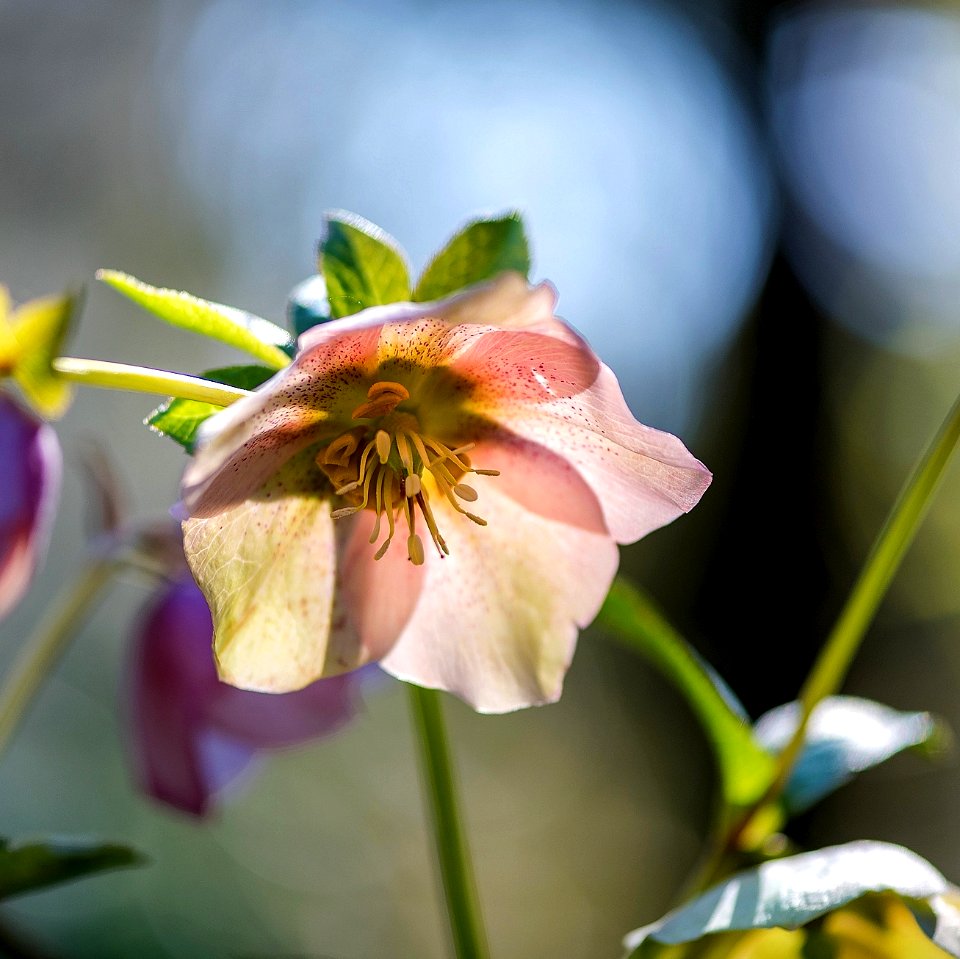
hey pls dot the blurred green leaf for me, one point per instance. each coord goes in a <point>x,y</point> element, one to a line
<point>746,769</point>
<point>481,250</point>
<point>845,735</point>
<point>361,264</point>
<point>259,338</point>
<point>29,866</point>
<point>180,419</point>
<point>307,305</point>
<point>791,892</point>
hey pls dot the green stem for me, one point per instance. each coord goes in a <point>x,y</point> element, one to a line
<point>42,650</point>
<point>885,557</point>
<point>139,379</point>
<point>456,873</point>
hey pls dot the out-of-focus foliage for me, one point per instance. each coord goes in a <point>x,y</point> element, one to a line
<point>26,867</point>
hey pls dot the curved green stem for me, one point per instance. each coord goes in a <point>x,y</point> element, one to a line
<point>868,591</point>
<point>48,642</point>
<point>456,873</point>
<point>139,379</point>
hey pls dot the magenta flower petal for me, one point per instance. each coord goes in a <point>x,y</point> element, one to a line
<point>193,733</point>
<point>440,487</point>
<point>30,452</point>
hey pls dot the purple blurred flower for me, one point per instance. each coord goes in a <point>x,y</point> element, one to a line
<point>32,466</point>
<point>192,733</point>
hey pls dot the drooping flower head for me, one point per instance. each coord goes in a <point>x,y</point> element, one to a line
<point>191,733</point>
<point>30,454</point>
<point>439,487</point>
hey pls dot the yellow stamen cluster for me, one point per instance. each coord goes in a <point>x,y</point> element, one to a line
<point>381,466</point>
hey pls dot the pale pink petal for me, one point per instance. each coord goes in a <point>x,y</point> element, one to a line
<point>268,568</point>
<point>378,595</point>
<point>538,479</point>
<point>506,367</point>
<point>644,478</point>
<point>508,302</point>
<point>497,619</point>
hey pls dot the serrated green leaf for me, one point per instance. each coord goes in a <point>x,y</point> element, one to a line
<point>745,768</point>
<point>29,866</point>
<point>481,250</point>
<point>39,328</point>
<point>845,736</point>
<point>180,419</point>
<point>361,264</point>
<point>791,892</point>
<point>254,335</point>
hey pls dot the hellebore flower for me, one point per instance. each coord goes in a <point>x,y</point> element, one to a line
<point>484,435</point>
<point>30,452</point>
<point>192,733</point>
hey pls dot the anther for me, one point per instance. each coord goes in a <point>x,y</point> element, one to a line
<point>340,450</point>
<point>383,445</point>
<point>415,549</point>
<point>465,492</point>
<point>412,485</point>
<point>382,398</point>
<point>386,386</point>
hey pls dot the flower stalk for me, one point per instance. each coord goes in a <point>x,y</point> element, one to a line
<point>843,642</point>
<point>139,379</point>
<point>42,650</point>
<point>884,560</point>
<point>456,871</point>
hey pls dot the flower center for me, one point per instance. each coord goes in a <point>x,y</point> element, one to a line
<point>381,465</point>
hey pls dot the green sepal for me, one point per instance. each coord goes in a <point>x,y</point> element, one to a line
<point>254,335</point>
<point>480,251</point>
<point>181,419</point>
<point>35,334</point>
<point>361,264</point>
<point>745,768</point>
<point>25,867</point>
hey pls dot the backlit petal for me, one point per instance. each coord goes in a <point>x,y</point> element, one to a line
<point>644,478</point>
<point>540,480</point>
<point>518,366</point>
<point>267,568</point>
<point>497,619</point>
<point>509,302</point>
